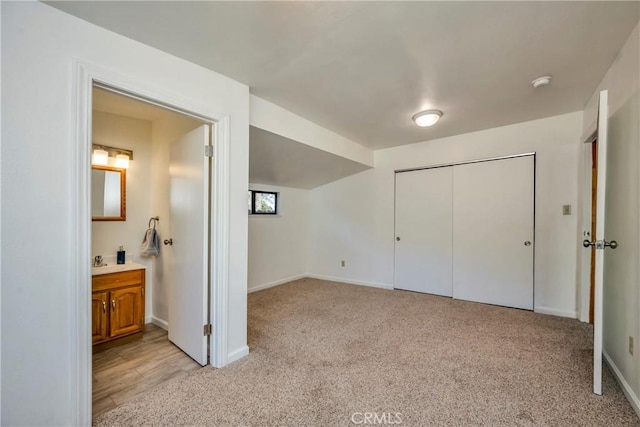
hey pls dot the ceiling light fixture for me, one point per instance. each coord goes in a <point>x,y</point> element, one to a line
<point>541,81</point>
<point>427,118</point>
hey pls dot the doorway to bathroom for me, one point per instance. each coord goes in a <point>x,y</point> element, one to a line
<point>151,274</point>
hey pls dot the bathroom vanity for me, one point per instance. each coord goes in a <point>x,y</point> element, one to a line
<point>117,303</point>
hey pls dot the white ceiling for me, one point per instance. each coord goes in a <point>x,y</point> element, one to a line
<point>362,69</point>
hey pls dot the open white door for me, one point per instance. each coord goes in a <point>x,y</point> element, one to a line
<point>189,171</point>
<point>599,242</point>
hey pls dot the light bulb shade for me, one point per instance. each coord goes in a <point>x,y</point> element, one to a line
<point>100,157</point>
<point>427,118</point>
<point>541,81</point>
<point>122,161</point>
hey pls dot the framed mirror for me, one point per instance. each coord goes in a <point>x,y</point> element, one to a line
<point>108,193</point>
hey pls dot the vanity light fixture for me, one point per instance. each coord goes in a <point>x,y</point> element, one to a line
<point>427,117</point>
<point>101,154</point>
<point>100,157</point>
<point>122,161</point>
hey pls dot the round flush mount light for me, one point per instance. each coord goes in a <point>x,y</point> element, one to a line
<point>541,81</point>
<point>427,118</point>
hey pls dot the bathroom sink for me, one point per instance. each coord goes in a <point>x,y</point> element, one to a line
<point>115,268</point>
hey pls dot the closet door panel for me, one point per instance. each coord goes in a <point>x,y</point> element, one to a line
<point>493,232</point>
<point>423,227</point>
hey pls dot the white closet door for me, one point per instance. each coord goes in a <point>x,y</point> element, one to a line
<point>423,231</point>
<point>493,232</point>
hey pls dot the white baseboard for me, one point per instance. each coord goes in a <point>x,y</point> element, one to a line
<point>276,283</point>
<point>626,388</point>
<point>554,312</point>
<point>350,281</point>
<point>159,322</point>
<point>237,354</point>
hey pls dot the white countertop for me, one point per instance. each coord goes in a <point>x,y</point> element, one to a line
<point>116,268</point>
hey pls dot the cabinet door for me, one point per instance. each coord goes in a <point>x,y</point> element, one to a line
<point>99,302</point>
<point>126,311</point>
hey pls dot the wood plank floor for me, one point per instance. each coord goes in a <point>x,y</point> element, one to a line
<point>124,372</point>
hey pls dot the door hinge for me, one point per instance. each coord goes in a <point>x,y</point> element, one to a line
<point>208,150</point>
<point>142,291</point>
<point>207,330</point>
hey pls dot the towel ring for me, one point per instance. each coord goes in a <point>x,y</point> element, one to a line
<point>155,220</point>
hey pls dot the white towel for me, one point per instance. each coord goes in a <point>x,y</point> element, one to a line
<point>150,243</point>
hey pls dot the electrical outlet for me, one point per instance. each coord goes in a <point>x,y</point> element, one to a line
<point>566,209</point>
<point>343,263</point>
<point>631,346</point>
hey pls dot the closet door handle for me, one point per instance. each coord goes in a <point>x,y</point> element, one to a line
<point>104,307</point>
<point>113,305</point>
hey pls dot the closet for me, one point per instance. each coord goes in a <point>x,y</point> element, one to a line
<point>467,231</point>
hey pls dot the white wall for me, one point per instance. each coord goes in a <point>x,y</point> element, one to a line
<point>107,236</point>
<point>621,80</point>
<point>163,132</point>
<point>621,299</point>
<point>275,119</point>
<point>279,244</point>
<point>40,49</point>
<point>353,219</point>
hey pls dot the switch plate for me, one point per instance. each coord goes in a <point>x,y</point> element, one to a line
<point>566,209</point>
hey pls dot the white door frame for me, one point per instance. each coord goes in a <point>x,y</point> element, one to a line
<point>84,77</point>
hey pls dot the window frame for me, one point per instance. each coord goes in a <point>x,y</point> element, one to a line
<point>253,202</point>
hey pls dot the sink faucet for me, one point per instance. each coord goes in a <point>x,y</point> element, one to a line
<point>97,261</point>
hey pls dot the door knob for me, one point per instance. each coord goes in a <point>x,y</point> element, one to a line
<point>612,244</point>
<point>169,242</point>
<point>398,239</point>
<point>527,243</point>
<point>600,244</point>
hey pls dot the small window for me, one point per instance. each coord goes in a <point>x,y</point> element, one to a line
<point>263,203</point>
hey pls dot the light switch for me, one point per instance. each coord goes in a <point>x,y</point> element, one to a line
<point>566,209</point>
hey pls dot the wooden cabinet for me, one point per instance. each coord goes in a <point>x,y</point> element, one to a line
<point>99,301</point>
<point>117,306</point>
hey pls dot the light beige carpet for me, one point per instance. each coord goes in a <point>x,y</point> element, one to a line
<point>324,354</point>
